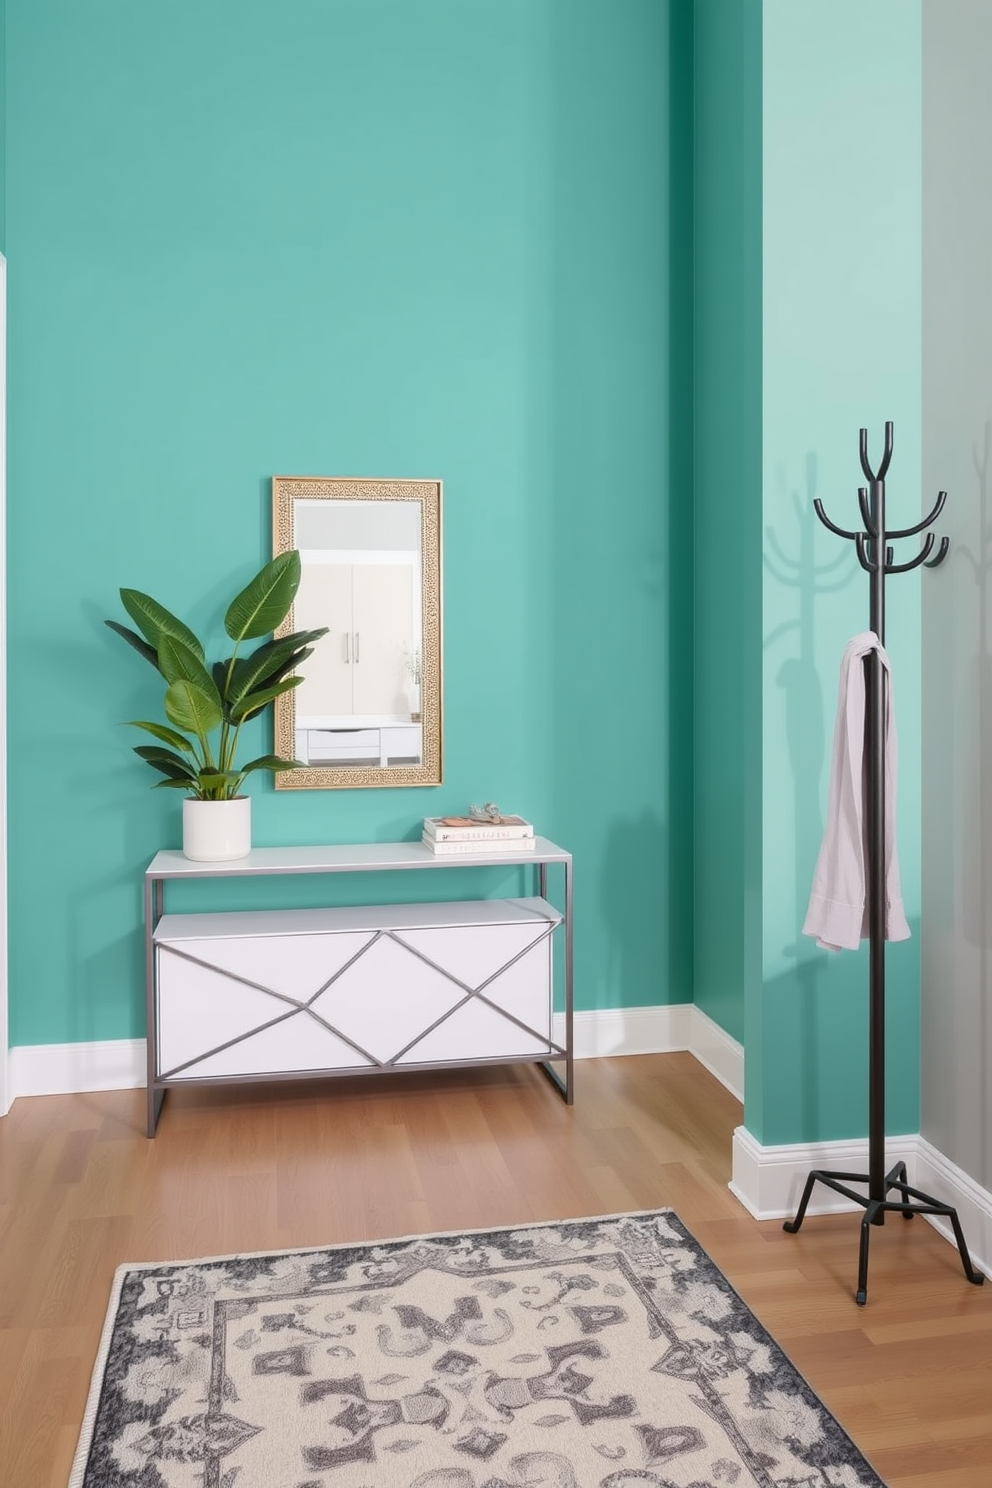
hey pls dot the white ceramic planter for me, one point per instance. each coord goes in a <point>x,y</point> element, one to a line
<point>215,831</point>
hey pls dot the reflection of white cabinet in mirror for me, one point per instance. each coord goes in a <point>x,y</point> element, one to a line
<point>389,744</point>
<point>357,669</point>
<point>362,579</point>
<point>367,709</point>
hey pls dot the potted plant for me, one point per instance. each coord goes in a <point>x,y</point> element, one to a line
<point>207,706</point>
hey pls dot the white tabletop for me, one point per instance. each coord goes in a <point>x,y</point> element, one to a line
<point>471,913</point>
<point>347,858</point>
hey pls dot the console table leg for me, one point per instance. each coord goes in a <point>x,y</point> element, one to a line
<point>154,907</point>
<point>569,1050</point>
<point>155,1099</point>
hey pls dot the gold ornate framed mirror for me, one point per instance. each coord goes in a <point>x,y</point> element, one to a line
<point>368,711</point>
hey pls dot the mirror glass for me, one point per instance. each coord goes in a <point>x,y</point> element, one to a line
<point>368,711</point>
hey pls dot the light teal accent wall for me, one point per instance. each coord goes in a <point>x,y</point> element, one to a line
<point>727,553</point>
<point>327,238</point>
<point>842,287</point>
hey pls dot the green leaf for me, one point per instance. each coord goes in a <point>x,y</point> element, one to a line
<point>211,779</point>
<point>272,762</point>
<point>266,601</point>
<point>192,708</point>
<point>155,621</point>
<point>155,754</point>
<point>167,735</point>
<point>133,639</point>
<point>178,663</point>
<point>188,786</point>
<point>256,701</point>
<point>166,762</point>
<point>271,662</point>
<point>181,777</point>
<point>288,666</point>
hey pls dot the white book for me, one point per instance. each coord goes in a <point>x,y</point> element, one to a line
<point>465,829</point>
<point>480,849</point>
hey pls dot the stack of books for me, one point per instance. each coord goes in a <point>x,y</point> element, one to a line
<point>466,834</point>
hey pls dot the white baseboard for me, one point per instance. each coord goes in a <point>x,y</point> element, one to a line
<point>769,1181</point>
<point>634,1030</point>
<point>722,1055</point>
<point>938,1176</point>
<point>119,1064</point>
<point>671,1029</point>
<point>67,1069</point>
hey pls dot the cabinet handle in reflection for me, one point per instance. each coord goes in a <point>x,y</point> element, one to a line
<point>357,639</point>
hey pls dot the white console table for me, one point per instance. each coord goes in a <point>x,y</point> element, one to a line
<point>280,994</point>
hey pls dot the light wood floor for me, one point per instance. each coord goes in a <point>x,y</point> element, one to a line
<point>260,1168</point>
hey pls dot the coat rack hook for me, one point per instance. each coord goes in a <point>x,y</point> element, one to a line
<point>838,531</point>
<point>887,455</point>
<point>921,557</point>
<point>861,543</point>
<point>863,452</point>
<point>928,521</point>
<point>873,475</point>
<point>945,544</point>
<point>866,516</point>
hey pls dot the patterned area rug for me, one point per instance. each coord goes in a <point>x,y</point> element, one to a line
<point>595,1353</point>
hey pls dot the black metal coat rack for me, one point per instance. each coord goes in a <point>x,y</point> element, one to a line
<point>877,558</point>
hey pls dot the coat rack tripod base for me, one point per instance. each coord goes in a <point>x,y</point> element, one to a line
<point>877,557</point>
<point>913,1201</point>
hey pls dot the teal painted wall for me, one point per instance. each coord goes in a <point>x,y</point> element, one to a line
<point>727,528</point>
<point>620,476</point>
<point>429,240</point>
<point>3,124</point>
<point>841,326</point>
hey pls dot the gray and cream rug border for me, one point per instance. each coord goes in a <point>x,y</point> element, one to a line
<point>602,1352</point>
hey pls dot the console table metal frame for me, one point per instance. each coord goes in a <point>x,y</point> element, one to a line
<point>377,857</point>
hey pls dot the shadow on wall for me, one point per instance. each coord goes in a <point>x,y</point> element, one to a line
<point>976,910</point>
<point>798,676</point>
<point>975,793</point>
<point>817,1019</point>
<point>805,733</point>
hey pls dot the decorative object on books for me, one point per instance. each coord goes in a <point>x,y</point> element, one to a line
<point>490,812</point>
<point>589,1353</point>
<point>207,707</point>
<point>369,710</point>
